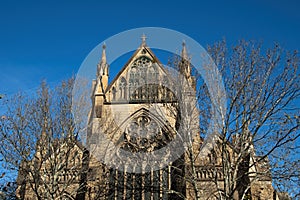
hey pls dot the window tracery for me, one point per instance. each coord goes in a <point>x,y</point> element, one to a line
<point>123,88</point>
<point>142,83</point>
<point>143,134</point>
<point>141,70</point>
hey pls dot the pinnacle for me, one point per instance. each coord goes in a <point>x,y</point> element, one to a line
<point>184,54</point>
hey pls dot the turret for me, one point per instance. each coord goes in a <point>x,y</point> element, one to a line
<point>103,71</point>
<point>185,66</point>
<point>101,84</point>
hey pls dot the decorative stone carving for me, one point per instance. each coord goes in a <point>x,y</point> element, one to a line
<point>143,134</point>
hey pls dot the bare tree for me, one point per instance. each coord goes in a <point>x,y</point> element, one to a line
<point>39,139</point>
<point>258,142</point>
<point>261,125</point>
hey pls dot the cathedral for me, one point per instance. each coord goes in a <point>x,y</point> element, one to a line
<point>143,139</point>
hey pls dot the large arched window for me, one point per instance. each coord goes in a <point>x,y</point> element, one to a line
<point>143,132</point>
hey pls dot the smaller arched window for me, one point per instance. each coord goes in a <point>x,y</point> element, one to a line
<point>132,74</point>
<point>123,87</point>
<point>151,73</point>
<point>114,91</point>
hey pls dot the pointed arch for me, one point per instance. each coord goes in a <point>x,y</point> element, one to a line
<point>123,88</point>
<point>114,91</point>
<point>143,128</point>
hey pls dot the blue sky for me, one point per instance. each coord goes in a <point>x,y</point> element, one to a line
<point>49,40</point>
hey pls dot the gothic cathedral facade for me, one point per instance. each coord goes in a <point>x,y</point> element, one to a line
<point>132,126</point>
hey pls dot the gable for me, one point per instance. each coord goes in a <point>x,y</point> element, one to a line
<point>143,68</point>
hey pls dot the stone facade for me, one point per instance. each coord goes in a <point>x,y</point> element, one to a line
<point>138,112</point>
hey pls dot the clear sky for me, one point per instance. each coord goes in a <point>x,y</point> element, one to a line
<point>49,40</point>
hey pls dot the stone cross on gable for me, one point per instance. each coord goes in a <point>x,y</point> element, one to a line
<point>143,39</point>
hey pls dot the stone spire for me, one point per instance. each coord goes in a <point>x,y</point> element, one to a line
<point>103,58</point>
<point>184,54</point>
<point>102,68</point>
<point>185,65</point>
<point>102,72</point>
